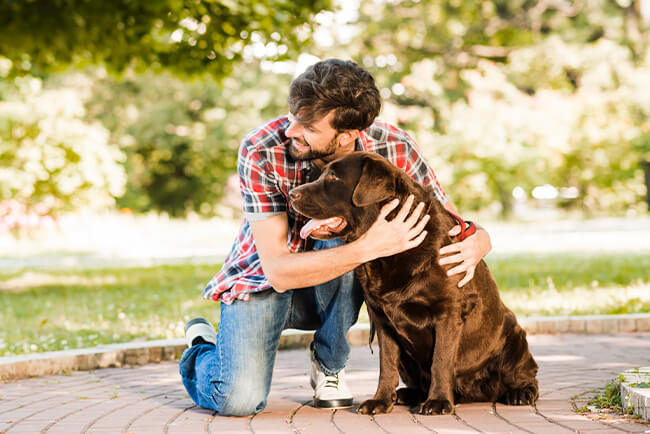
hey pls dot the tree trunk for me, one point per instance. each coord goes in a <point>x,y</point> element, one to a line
<point>505,197</point>
<point>646,169</point>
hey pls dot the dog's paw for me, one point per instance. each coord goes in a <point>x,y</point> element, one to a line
<point>523,396</point>
<point>408,396</point>
<point>436,406</point>
<point>375,406</point>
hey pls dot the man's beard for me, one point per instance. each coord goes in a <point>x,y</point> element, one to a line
<point>309,153</point>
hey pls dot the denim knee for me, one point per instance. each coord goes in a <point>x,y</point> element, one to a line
<point>241,397</point>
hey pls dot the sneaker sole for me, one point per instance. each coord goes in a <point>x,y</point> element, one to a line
<point>196,321</point>
<point>333,403</point>
<point>199,327</point>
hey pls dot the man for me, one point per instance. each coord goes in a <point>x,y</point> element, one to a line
<point>273,279</point>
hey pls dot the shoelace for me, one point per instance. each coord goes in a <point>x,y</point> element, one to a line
<point>332,381</point>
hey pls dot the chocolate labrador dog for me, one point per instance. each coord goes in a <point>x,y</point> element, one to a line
<point>448,344</point>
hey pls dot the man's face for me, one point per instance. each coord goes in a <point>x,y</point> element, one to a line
<point>317,140</point>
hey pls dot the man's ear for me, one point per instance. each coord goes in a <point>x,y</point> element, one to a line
<point>349,136</point>
<point>375,184</point>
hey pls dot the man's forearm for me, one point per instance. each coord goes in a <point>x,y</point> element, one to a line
<point>306,269</point>
<point>286,270</point>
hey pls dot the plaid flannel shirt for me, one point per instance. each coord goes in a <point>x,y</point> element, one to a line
<point>266,175</point>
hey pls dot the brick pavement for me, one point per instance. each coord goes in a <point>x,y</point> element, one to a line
<point>151,398</point>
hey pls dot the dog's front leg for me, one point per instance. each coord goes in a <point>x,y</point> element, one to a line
<point>389,354</point>
<point>440,399</point>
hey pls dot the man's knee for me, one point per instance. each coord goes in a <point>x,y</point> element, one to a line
<point>241,397</point>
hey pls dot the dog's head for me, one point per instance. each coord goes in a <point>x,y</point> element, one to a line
<point>347,197</point>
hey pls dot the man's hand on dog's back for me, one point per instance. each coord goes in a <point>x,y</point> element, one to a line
<point>404,232</point>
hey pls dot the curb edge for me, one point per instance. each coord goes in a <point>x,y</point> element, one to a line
<point>637,398</point>
<point>140,353</point>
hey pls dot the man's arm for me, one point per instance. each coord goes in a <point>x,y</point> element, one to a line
<point>285,270</point>
<point>468,252</point>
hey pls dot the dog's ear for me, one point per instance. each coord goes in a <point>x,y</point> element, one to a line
<point>376,183</point>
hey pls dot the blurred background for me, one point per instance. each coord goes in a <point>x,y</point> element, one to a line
<point>120,123</point>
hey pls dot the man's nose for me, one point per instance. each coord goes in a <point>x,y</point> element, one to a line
<point>294,130</point>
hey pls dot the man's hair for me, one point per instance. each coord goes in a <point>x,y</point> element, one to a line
<point>339,85</point>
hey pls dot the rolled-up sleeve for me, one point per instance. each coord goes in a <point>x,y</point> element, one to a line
<point>260,192</point>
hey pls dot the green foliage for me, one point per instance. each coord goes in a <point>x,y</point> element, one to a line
<point>609,398</point>
<point>51,157</point>
<point>181,138</point>
<point>177,139</point>
<point>504,94</point>
<point>641,384</point>
<point>458,35</point>
<point>642,145</point>
<point>202,37</point>
<point>498,94</point>
<point>580,138</point>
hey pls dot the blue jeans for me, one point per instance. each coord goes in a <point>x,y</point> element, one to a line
<point>234,377</point>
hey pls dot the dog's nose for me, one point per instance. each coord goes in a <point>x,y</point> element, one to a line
<point>294,195</point>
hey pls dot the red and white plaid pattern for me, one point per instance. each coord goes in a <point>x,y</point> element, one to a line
<point>266,175</point>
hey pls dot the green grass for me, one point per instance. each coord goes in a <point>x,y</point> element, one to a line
<point>53,310</point>
<point>607,399</point>
<point>56,310</point>
<point>568,271</point>
<point>573,284</point>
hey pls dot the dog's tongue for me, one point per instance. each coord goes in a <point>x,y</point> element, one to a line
<point>314,224</point>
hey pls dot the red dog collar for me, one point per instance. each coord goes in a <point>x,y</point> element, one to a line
<point>467,228</point>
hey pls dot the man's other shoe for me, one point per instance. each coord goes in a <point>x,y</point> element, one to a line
<point>200,331</point>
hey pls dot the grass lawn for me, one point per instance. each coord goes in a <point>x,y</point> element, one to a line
<point>53,310</point>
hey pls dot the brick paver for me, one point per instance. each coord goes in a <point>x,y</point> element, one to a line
<point>151,398</point>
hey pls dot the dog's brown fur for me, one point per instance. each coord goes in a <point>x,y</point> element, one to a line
<point>448,344</point>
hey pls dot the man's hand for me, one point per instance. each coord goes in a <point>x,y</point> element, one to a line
<point>467,252</point>
<point>386,238</point>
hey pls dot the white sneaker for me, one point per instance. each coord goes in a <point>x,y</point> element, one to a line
<point>330,391</point>
<point>200,328</point>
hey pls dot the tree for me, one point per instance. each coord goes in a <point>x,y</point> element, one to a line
<point>181,138</point>
<point>188,37</point>
<point>52,159</point>
<point>458,34</point>
<point>470,80</point>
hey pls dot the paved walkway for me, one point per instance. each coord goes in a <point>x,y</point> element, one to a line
<point>150,398</point>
